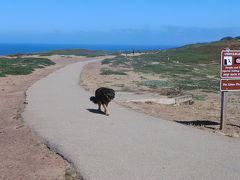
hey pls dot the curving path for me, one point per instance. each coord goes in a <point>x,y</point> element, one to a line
<point>125,145</point>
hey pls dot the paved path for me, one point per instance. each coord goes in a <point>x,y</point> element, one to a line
<point>125,145</point>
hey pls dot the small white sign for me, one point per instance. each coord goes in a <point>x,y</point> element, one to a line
<point>227,60</point>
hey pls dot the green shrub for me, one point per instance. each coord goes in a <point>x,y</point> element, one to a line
<point>155,83</point>
<point>111,72</point>
<point>22,66</point>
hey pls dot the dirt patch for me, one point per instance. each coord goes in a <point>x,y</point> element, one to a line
<point>23,155</point>
<point>91,78</point>
<point>204,113</point>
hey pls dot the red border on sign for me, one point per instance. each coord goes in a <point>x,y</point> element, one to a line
<point>230,85</point>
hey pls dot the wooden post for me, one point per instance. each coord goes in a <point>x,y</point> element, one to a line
<point>223,109</point>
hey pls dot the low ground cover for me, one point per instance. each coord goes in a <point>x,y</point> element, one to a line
<point>22,66</point>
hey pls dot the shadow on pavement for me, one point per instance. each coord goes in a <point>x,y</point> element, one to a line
<point>96,111</point>
<point>198,123</point>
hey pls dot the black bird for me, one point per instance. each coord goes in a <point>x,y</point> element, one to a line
<point>102,97</point>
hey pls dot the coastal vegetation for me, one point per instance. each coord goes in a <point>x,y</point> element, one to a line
<point>22,65</point>
<point>76,52</point>
<point>190,67</point>
<point>190,71</point>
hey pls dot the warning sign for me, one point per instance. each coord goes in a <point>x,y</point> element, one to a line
<point>230,64</point>
<point>230,84</point>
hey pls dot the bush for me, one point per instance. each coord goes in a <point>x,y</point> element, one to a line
<point>22,66</point>
<point>155,83</point>
<point>227,38</point>
<point>111,72</point>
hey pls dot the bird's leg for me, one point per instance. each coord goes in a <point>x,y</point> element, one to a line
<point>99,106</point>
<point>105,109</point>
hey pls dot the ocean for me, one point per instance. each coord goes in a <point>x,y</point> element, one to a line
<point>31,48</point>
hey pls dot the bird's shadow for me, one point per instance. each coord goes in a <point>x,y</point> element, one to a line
<point>96,111</point>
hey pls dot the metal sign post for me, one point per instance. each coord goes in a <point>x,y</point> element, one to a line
<point>230,79</point>
<point>223,109</point>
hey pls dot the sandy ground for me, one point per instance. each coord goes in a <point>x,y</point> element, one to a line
<point>23,155</point>
<point>91,78</point>
<point>204,113</point>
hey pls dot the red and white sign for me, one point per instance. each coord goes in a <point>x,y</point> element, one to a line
<point>230,64</point>
<point>230,84</point>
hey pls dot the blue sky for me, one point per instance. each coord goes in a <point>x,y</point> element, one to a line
<point>125,22</point>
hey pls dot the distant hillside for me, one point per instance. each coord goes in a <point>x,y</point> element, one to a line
<point>77,52</point>
<point>202,52</point>
<point>190,67</point>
